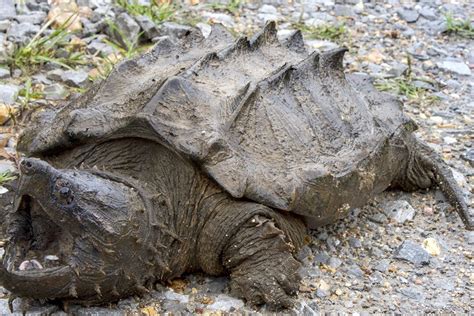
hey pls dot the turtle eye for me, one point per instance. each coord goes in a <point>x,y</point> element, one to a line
<point>63,192</point>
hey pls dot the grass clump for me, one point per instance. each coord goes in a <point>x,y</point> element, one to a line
<point>405,86</point>
<point>44,49</point>
<point>124,48</point>
<point>402,86</point>
<point>157,11</point>
<point>29,93</point>
<point>127,47</point>
<point>6,176</point>
<point>328,32</point>
<point>458,26</point>
<point>232,6</point>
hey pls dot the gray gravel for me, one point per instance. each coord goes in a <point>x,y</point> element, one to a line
<point>8,93</point>
<point>403,252</point>
<point>74,78</point>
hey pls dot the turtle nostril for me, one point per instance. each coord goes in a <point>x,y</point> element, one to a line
<point>64,191</point>
<point>26,166</point>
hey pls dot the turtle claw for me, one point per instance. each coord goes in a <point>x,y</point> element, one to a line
<point>274,282</point>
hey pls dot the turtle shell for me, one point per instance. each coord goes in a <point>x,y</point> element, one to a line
<point>264,118</point>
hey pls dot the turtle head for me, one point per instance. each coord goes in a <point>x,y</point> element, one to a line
<point>76,236</point>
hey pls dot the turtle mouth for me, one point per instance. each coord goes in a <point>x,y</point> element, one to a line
<point>39,242</point>
<point>38,251</point>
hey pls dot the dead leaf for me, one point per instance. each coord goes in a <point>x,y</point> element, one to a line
<point>323,285</point>
<point>85,12</point>
<point>114,57</point>
<point>431,246</point>
<point>178,285</point>
<point>4,154</point>
<point>94,73</point>
<point>327,268</point>
<point>6,112</point>
<point>149,311</point>
<point>207,300</point>
<point>65,13</point>
<point>77,43</point>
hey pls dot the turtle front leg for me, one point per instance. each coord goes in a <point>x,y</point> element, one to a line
<point>425,169</point>
<point>257,246</point>
<point>263,268</point>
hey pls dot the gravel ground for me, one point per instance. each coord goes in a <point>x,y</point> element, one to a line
<point>403,252</point>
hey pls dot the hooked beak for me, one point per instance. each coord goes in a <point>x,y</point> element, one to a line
<point>34,236</point>
<point>55,282</point>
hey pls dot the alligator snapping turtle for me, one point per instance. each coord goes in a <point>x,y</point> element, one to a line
<point>207,154</point>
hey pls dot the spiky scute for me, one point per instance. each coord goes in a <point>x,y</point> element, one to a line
<point>265,119</point>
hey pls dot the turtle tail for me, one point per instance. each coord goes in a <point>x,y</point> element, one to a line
<point>426,169</point>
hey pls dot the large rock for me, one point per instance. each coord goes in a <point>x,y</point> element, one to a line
<point>150,29</point>
<point>175,30</point>
<point>399,211</point>
<point>382,265</point>
<point>343,10</point>
<point>469,156</point>
<point>173,296</point>
<point>428,13</point>
<point>408,15</point>
<point>55,74</point>
<point>6,166</point>
<point>55,92</point>
<point>226,303</point>
<point>305,309</point>
<point>4,25</point>
<point>7,9</point>
<point>128,27</point>
<point>33,18</point>
<point>22,32</point>
<point>268,9</point>
<point>457,67</point>
<point>65,14</point>
<point>412,292</point>
<point>4,73</point>
<point>8,93</point>
<point>397,69</point>
<point>412,252</point>
<point>97,46</point>
<point>75,78</point>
